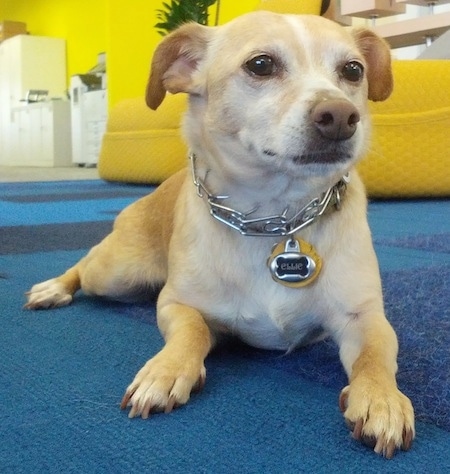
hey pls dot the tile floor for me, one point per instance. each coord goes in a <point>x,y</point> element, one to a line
<point>15,174</point>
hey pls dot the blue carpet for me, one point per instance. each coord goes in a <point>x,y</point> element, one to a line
<point>63,372</point>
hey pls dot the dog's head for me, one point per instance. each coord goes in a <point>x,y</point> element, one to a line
<point>283,93</point>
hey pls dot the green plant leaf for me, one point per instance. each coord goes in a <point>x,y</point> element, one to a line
<point>182,11</point>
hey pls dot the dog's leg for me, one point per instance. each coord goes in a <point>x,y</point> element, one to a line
<point>131,258</point>
<point>167,380</point>
<point>375,409</point>
<point>90,273</point>
<point>113,269</point>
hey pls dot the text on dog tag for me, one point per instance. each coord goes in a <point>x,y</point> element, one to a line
<point>294,263</point>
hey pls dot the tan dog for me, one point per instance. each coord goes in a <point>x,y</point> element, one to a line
<point>271,242</point>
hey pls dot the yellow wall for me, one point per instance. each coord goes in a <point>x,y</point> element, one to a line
<point>130,43</point>
<point>81,22</point>
<point>132,39</point>
<point>124,29</point>
<point>230,10</point>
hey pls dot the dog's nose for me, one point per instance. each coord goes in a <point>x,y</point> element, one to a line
<point>335,119</point>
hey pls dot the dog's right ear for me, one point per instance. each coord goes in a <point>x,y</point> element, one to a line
<point>175,62</point>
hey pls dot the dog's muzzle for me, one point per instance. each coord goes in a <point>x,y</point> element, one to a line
<point>332,124</point>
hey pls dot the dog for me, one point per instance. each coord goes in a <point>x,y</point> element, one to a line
<point>264,235</point>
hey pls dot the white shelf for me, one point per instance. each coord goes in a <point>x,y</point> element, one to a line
<point>413,32</point>
<point>423,3</point>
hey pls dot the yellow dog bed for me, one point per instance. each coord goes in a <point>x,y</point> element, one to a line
<point>142,146</point>
<point>409,151</point>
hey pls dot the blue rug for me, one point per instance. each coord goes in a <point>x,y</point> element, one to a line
<point>63,372</point>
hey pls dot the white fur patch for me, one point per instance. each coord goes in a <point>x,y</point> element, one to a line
<point>48,294</point>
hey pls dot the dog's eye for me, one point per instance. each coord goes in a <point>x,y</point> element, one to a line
<point>262,65</point>
<point>353,71</point>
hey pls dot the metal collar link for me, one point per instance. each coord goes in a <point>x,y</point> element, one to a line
<point>270,226</point>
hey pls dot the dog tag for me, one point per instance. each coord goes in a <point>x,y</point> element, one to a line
<point>294,263</point>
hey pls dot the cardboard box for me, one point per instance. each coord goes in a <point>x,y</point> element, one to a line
<point>9,29</point>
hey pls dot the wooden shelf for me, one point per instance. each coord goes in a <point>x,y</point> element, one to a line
<point>371,8</point>
<point>413,32</point>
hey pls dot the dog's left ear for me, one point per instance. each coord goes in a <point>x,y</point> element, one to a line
<point>378,57</point>
<point>175,61</point>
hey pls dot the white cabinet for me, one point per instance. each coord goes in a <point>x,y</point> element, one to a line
<point>27,62</point>
<point>40,135</point>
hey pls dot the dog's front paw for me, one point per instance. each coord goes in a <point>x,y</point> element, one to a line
<point>165,382</point>
<point>48,294</point>
<point>380,416</point>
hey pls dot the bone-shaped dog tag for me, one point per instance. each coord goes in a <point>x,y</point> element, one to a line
<point>294,263</point>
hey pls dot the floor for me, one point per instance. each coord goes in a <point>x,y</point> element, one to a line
<point>16,174</point>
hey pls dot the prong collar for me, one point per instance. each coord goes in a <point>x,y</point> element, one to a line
<point>269,226</point>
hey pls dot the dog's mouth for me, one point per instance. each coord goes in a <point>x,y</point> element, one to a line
<point>322,158</point>
<point>339,154</point>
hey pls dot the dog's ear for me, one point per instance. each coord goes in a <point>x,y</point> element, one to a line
<point>175,61</point>
<point>378,57</point>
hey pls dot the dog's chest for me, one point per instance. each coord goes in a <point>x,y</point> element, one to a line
<point>281,325</point>
<point>234,289</point>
